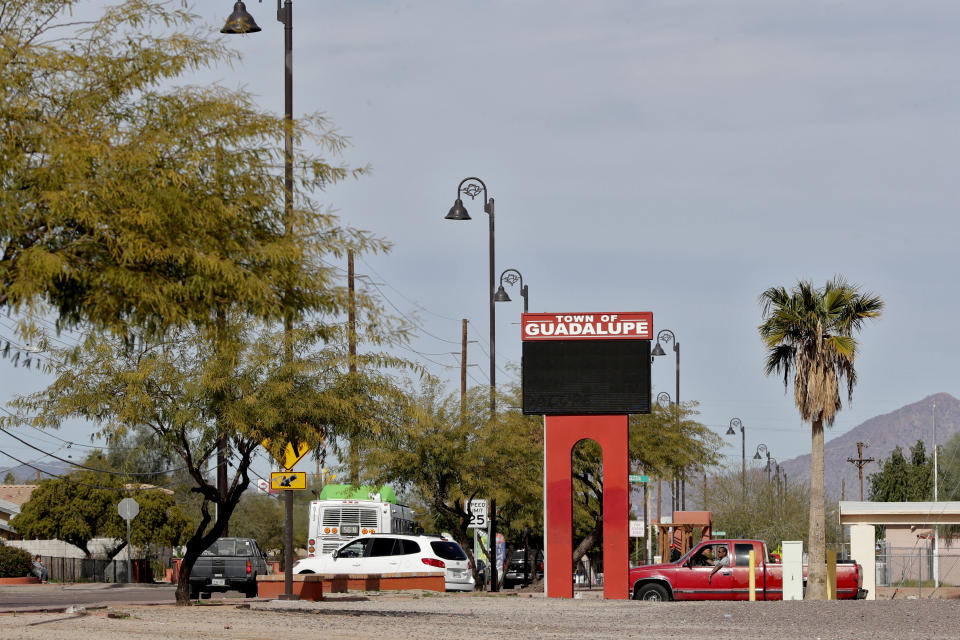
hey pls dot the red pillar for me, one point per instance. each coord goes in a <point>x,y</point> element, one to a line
<point>611,433</point>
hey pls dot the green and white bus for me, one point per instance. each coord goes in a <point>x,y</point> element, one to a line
<point>344,512</point>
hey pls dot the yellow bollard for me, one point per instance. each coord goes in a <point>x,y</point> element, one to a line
<point>753,576</point>
<point>831,575</point>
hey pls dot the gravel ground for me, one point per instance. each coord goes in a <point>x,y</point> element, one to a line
<point>429,616</point>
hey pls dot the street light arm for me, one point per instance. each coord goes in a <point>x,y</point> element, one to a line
<point>511,280</point>
<point>473,192</point>
<point>665,335</point>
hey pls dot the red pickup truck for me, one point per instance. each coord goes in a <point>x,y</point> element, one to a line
<point>692,577</point>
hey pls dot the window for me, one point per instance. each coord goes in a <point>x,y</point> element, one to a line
<point>408,547</point>
<point>220,548</point>
<point>448,550</point>
<point>743,555</point>
<point>382,547</point>
<point>353,550</point>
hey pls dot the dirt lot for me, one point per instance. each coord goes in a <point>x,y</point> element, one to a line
<point>437,616</point>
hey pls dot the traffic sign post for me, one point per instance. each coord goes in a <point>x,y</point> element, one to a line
<point>639,479</point>
<point>128,510</point>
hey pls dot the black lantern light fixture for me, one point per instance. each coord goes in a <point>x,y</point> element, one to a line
<point>732,430</point>
<point>512,277</point>
<point>240,21</point>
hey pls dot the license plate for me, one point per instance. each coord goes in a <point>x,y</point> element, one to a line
<point>350,529</point>
<point>218,582</point>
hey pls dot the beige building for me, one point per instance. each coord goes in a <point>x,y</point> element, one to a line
<point>12,497</point>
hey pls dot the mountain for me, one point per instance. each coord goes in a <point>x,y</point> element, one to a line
<point>881,434</point>
<point>29,475</point>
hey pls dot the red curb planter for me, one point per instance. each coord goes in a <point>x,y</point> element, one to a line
<point>24,580</point>
<point>313,586</point>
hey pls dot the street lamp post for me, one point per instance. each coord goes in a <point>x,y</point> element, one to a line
<point>473,187</point>
<point>512,276</point>
<point>756,456</point>
<point>241,22</point>
<point>663,401</point>
<point>731,430</point>
<point>665,335</point>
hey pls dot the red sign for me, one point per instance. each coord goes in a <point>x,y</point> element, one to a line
<point>631,325</point>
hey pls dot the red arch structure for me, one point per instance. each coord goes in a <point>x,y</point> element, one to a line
<point>611,433</point>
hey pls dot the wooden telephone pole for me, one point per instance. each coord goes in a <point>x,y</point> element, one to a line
<point>860,461</point>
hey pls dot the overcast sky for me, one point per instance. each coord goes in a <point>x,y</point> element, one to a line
<point>675,157</point>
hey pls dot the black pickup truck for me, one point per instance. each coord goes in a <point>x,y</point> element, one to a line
<point>229,563</point>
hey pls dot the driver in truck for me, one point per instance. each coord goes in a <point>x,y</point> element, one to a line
<point>723,560</point>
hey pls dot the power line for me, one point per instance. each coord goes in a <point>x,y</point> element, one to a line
<point>116,473</point>
<point>78,482</point>
<point>416,304</point>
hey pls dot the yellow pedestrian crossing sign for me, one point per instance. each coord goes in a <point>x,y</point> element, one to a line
<point>291,455</point>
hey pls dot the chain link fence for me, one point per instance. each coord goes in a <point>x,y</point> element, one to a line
<point>96,570</point>
<point>919,568</point>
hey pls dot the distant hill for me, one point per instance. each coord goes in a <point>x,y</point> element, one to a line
<point>902,427</point>
<point>28,475</point>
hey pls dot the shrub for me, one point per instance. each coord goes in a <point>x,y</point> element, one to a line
<point>14,563</point>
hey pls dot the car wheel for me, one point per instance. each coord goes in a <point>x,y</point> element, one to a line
<point>251,590</point>
<point>651,593</point>
<point>205,595</point>
<point>194,592</point>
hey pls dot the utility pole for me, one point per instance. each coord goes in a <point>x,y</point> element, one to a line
<point>936,529</point>
<point>352,360</point>
<point>860,461</point>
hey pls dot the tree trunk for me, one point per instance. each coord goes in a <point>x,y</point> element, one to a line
<point>199,542</point>
<point>587,543</point>
<point>817,542</point>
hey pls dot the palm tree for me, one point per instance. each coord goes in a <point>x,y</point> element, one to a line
<point>809,332</point>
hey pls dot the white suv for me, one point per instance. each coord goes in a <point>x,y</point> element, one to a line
<point>395,553</point>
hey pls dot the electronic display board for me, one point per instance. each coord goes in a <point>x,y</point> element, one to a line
<point>585,377</point>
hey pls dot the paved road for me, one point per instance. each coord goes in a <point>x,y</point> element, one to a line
<point>20,597</point>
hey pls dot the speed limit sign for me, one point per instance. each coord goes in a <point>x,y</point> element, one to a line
<point>478,514</point>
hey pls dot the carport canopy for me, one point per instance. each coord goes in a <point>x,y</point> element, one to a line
<point>864,516</point>
<point>919,513</point>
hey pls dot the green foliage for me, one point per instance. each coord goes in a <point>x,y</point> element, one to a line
<point>661,443</point>
<point>260,517</point>
<point>9,478</point>
<point>64,509</point>
<point>131,202</point>
<point>902,480</point>
<point>809,332</point>
<point>14,562</point>
<point>948,463</point>
<point>664,445</point>
<point>152,214</point>
<point>770,509</point>
<point>83,505</point>
<point>444,457</point>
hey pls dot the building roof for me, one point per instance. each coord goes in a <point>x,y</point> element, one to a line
<point>18,494</point>
<point>899,512</point>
